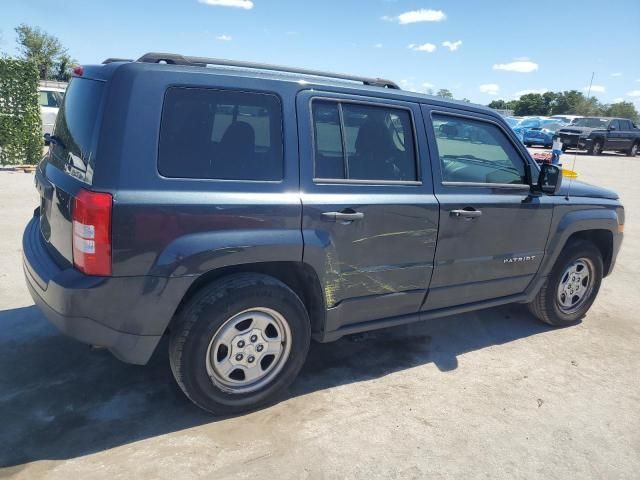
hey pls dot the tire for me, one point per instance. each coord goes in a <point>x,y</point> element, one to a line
<point>546,305</point>
<point>527,145</point>
<point>596,148</point>
<point>210,322</point>
<point>633,151</point>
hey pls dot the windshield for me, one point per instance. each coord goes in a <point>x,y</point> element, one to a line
<point>591,122</point>
<point>552,127</point>
<point>529,122</point>
<point>511,121</point>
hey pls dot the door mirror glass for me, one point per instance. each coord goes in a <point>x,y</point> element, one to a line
<point>550,178</point>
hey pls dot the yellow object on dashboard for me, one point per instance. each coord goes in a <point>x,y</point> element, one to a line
<point>566,173</point>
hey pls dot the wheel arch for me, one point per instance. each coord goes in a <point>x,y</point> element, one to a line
<point>298,276</point>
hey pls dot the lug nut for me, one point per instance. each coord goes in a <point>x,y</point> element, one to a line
<point>254,338</point>
<point>241,344</point>
<point>250,359</point>
<point>259,348</point>
<point>239,357</point>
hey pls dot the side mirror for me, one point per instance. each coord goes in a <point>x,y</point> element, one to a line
<point>47,138</point>
<point>612,127</point>
<point>550,178</point>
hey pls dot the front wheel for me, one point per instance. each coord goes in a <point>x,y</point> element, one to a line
<point>572,286</point>
<point>239,342</point>
<point>633,151</point>
<point>596,148</point>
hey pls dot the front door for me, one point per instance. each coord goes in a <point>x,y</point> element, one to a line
<point>492,233</point>
<point>370,218</point>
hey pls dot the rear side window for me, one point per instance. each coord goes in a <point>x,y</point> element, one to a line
<point>77,127</point>
<point>363,142</point>
<point>474,151</point>
<point>221,134</point>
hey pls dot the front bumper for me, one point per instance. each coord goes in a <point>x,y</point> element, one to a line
<point>127,315</point>
<point>575,141</point>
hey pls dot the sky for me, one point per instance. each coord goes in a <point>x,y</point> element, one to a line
<point>479,49</point>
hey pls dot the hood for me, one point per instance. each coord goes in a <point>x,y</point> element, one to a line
<point>581,189</point>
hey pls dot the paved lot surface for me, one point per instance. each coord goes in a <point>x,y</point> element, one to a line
<point>491,394</point>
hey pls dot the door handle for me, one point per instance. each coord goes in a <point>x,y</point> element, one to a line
<point>345,216</point>
<point>471,213</point>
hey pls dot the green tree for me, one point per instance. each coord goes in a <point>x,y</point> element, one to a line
<point>621,109</point>
<point>531,104</point>
<point>44,50</point>
<point>443,92</point>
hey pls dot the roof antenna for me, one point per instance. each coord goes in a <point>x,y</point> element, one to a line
<point>575,155</point>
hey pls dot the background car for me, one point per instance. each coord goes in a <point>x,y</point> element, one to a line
<point>541,135</point>
<point>49,99</point>
<point>532,122</point>
<point>568,119</point>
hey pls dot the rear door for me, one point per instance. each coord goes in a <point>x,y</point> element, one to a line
<point>492,233</point>
<point>614,138</point>
<point>369,214</point>
<point>626,134</point>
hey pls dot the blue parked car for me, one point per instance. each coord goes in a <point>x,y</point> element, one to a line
<point>542,135</point>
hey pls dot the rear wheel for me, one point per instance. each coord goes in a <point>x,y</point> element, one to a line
<point>239,342</point>
<point>572,286</point>
<point>633,151</point>
<point>564,149</point>
<point>527,145</point>
<point>596,148</point>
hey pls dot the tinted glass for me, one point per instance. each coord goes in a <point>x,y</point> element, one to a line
<point>76,132</point>
<point>329,157</point>
<point>220,134</point>
<point>476,152</point>
<point>625,124</point>
<point>378,142</point>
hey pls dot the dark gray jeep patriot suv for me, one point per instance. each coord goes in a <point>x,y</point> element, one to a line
<point>243,209</point>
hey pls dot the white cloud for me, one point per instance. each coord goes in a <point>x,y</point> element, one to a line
<point>415,16</point>
<point>530,90</point>
<point>378,45</point>
<point>452,46</point>
<point>425,47</point>
<point>223,38</point>
<point>616,74</point>
<point>633,93</point>
<point>490,88</point>
<point>595,88</point>
<point>246,4</point>
<point>411,85</point>
<point>522,66</point>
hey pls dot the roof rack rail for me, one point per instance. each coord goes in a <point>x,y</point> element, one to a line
<point>112,60</point>
<point>174,59</point>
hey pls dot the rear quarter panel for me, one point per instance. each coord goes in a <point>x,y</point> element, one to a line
<point>175,227</point>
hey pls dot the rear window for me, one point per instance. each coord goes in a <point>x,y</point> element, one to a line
<point>221,134</point>
<point>76,131</point>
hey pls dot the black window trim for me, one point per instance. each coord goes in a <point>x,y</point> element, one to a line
<point>516,148</point>
<point>223,180</point>
<point>340,101</point>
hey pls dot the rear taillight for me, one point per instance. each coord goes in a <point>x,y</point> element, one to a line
<point>92,232</point>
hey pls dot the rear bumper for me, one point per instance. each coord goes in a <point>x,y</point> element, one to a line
<point>127,315</point>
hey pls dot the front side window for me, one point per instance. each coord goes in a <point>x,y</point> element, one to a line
<point>218,134</point>
<point>363,142</point>
<point>474,151</point>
